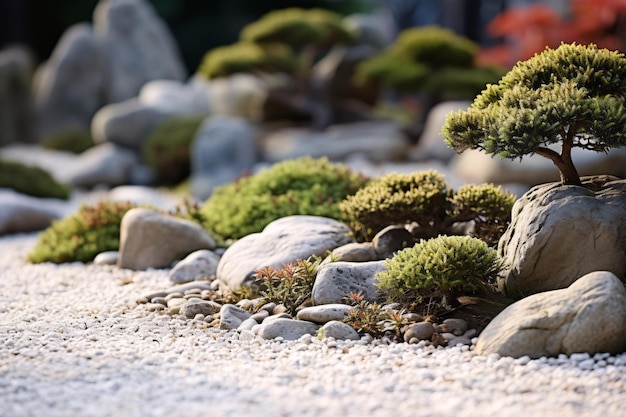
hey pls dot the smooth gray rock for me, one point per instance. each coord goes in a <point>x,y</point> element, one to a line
<point>240,95</point>
<point>180,289</point>
<point>17,115</point>
<point>149,239</point>
<point>201,264</point>
<point>20,213</point>
<point>69,86</point>
<point>223,150</point>
<point>137,46</point>
<point>335,281</point>
<point>589,316</point>
<point>420,331</point>
<point>195,306</point>
<point>175,97</point>
<point>145,196</point>
<point>288,329</point>
<point>105,164</point>
<point>282,241</point>
<point>339,331</point>
<point>232,316</point>
<point>106,258</point>
<point>127,123</point>
<point>559,233</point>
<point>324,313</point>
<point>353,252</point>
<point>377,141</point>
<point>390,240</point>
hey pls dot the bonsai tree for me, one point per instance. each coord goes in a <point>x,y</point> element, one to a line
<point>288,41</point>
<point>573,95</point>
<point>432,61</point>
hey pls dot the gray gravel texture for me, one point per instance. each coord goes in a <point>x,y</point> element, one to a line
<point>73,343</point>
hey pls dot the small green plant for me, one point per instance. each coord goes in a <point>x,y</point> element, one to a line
<point>31,180</point>
<point>167,149</point>
<point>71,140</point>
<point>573,95</point>
<point>438,270</point>
<point>424,198</point>
<point>80,237</point>
<point>370,317</point>
<point>290,285</point>
<point>300,186</point>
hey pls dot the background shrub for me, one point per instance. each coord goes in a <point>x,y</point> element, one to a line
<point>71,140</point>
<point>300,186</point>
<point>31,180</point>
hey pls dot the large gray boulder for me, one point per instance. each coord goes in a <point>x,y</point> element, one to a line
<point>223,149</point>
<point>104,164</point>
<point>337,280</point>
<point>589,316</point>
<point>149,239</point>
<point>16,116</point>
<point>282,241</point>
<point>21,213</point>
<point>137,47</point>
<point>175,97</point>
<point>559,233</point>
<point>68,87</point>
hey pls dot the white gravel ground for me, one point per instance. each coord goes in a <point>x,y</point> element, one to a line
<point>72,343</point>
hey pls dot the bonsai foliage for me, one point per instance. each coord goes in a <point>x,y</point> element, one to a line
<point>31,180</point>
<point>301,186</point>
<point>167,148</point>
<point>80,237</point>
<point>424,198</point>
<point>573,95</point>
<point>439,270</point>
<point>431,60</point>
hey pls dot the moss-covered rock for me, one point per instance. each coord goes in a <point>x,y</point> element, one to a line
<point>71,140</point>
<point>439,270</point>
<point>301,186</point>
<point>167,148</point>
<point>80,237</point>
<point>31,180</point>
<point>425,199</point>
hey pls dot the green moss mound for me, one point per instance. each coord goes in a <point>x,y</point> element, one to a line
<point>301,186</point>
<point>71,140</point>
<point>31,180</point>
<point>427,201</point>
<point>440,269</point>
<point>167,149</point>
<point>80,237</point>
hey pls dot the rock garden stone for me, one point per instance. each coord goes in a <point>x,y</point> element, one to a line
<point>105,164</point>
<point>68,87</point>
<point>335,281</point>
<point>588,316</point>
<point>16,118</point>
<point>106,258</point>
<point>353,252</point>
<point>282,241</point>
<point>198,265</point>
<point>149,239</point>
<point>196,306</point>
<point>420,331</point>
<point>127,123</point>
<point>339,331</point>
<point>175,97</point>
<point>324,313</point>
<point>178,290</point>
<point>137,46</point>
<point>21,213</point>
<point>559,233</point>
<point>223,150</point>
<point>390,240</point>
<point>377,141</point>
<point>232,316</point>
<point>288,329</point>
<point>240,95</point>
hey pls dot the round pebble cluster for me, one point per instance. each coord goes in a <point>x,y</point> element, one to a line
<point>72,342</point>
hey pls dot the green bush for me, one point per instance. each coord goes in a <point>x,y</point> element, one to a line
<point>439,270</point>
<point>573,95</point>
<point>80,237</point>
<point>301,186</point>
<point>424,198</point>
<point>167,148</point>
<point>31,180</point>
<point>71,140</point>
<point>247,57</point>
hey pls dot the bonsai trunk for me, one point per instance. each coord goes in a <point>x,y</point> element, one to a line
<point>563,161</point>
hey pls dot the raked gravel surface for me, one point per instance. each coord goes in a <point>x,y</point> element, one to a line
<point>73,343</point>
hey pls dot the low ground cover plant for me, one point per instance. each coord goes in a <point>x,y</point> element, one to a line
<point>31,180</point>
